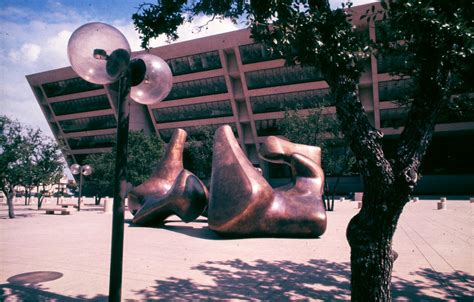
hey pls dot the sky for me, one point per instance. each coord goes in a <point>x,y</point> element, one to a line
<point>34,36</point>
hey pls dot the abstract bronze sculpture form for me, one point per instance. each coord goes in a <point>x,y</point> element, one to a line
<point>242,203</point>
<point>171,190</point>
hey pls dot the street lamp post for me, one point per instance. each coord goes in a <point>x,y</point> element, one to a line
<point>83,171</point>
<point>99,53</point>
<point>60,192</point>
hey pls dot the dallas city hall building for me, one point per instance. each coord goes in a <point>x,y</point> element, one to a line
<point>230,79</point>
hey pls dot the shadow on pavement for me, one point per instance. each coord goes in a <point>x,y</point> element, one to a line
<point>11,292</point>
<point>29,287</point>
<point>202,232</point>
<point>287,280</point>
<point>259,280</point>
<point>456,286</point>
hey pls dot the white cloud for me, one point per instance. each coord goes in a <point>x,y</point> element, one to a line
<point>34,41</point>
<point>201,26</point>
<point>28,53</point>
<point>187,31</point>
<point>337,3</point>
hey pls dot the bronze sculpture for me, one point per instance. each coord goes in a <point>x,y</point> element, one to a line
<point>170,190</point>
<point>242,203</point>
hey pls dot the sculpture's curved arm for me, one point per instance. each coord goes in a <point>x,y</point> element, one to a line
<point>305,167</point>
<point>170,189</point>
<point>172,162</point>
<point>187,199</point>
<point>277,149</point>
<point>165,173</point>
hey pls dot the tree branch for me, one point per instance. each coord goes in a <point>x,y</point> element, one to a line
<point>419,128</point>
<point>364,139</point>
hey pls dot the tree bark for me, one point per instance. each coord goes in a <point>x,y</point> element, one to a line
<point>370,234</point>
<point>10,195</point>
<point>371,269</point>
<point>40,198</point>
<point>333,194</point>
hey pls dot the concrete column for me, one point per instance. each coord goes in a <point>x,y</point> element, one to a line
<point>108,205</point>
<point>442,203</point>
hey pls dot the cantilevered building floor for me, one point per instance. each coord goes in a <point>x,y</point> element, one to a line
<point>229,79</point>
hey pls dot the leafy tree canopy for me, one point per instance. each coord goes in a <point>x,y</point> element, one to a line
<point>435,36</point>
<point>322,130</point>
<point>27,158</point>
<point>200,152</point>
<point>144,152</point>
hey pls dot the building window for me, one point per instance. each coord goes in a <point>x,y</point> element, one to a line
<point>285,75</point>
<point>267,127</point>
<point>69,86</point>
<point>193,112</point>
<point>459,109</point>
<point>398,90</point>
<point>81,105</point>
<point>194,132</point>
<point>393,63</point>
<point>195,63</point>
<point>293,100</point>
<point>89,142</point>
<point>88,123</point>
<point>196,88</point>
<point>383,32</point>
<point>393,118</point>
<point>253,53</point>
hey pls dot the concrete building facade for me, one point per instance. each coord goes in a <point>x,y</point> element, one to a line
<point>230,79</point>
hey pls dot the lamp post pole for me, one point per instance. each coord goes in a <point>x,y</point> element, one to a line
<point>120,184</point>
<point>59,190</point>
<point>100,54</point>
<point>82,171</point>
<point>80,192</point>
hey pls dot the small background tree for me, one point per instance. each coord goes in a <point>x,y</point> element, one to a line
<point>47,166</point>
<point>144,152</point>
<point>322,130</point>
<point>26,158</point>
<point>199,150</point>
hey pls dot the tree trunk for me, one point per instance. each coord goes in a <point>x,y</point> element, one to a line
<point>370,234</point>
<point>10,196</point>
<point>371,268</point>
<point>26,197</point>
<point>40,199</point>
<point>39,196</point>
<point>333,194</point>
<point>97,200</point>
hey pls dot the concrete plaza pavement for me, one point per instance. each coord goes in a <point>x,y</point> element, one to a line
<point>67,258</point>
